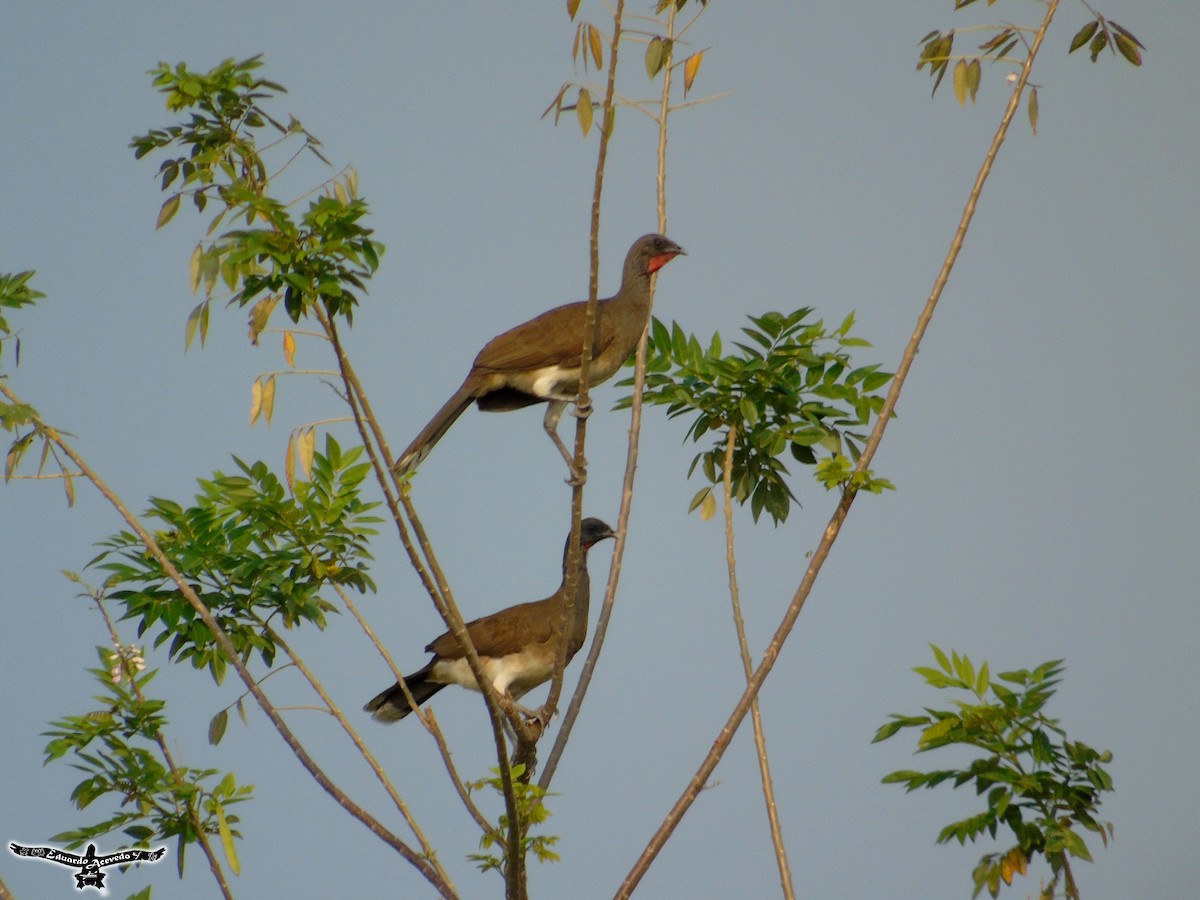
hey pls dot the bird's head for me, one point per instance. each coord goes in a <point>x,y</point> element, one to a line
<point>592,531</point>
<point>651,252</point>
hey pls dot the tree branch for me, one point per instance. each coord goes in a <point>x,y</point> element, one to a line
<point>760,737</point>
<point>833,528</point>
<point>231,655</point>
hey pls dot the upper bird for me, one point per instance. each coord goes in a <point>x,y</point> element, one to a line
<point>516,646</point>
<point>539,360</point>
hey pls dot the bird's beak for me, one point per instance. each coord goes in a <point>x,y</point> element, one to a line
<point>657,262</point>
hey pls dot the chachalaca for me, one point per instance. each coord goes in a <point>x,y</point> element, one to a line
<point>539,361</point>
<point>516,645</point>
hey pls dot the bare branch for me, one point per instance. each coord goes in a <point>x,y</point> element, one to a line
<point>760,737</point>
<point>833,528</point>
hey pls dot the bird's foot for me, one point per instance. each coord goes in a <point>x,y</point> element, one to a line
<point>525,711</point>
<point>578,472</point>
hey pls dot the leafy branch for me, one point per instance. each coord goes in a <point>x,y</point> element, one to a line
<point>1038,784</point>
<point>123,748</point>
<point>783,392</point>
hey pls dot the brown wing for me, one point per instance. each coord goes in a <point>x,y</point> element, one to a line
<point>555,338</point>
<point>505,632</point>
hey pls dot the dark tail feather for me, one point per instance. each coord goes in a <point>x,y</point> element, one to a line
<point>392,705</point>
<point>432,433</point>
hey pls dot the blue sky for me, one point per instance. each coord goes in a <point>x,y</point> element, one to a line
<point>1046,502</point>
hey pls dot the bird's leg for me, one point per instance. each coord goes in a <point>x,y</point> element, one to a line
<point>554,411</point>
<point>513,709</point>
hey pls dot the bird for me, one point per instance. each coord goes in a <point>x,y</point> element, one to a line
<point>516,646</point>
<point>539,360</point>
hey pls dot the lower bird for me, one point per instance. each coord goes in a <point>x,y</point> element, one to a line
<point>516,646</point>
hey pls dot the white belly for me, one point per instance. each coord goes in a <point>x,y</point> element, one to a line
<point>515,674</point>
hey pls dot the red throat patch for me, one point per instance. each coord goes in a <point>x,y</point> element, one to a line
<point>657,262</point>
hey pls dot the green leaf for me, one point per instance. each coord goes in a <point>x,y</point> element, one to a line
<point>1127,48</point>
<point>942,659</point>
<point>583,110</point>
<point>748,410</point>
<point>886,731</point>
<point>961,86</point>
<point>1084,35</point>
<point>875,381</point>
<point>658,51</point>
<point>1075,845</point>
<point>901,775</point>
<point>699,497</point>
<point>938,730</point>
<point>974,76</point>
<point>217,726</point>
<point>168,210</point>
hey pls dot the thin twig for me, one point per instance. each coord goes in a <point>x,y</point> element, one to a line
<point>832,529</point>
<point>760,737</point>
<point>333,709</point>
<point>425,716</point>
<point>614,571</point>
<point>431,576</point>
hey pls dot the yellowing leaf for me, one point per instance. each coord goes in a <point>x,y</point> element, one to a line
<point>256,393</point>
<point>307,444</point>
<point>289,348</point>
<point>169,208</point>
<point>193,322</point>
<point>583,109</point>
<point>596,46</point>
<point>204,323</point>
<point>572,8</point>
<point>708,508</point>
<point>556,104</point>
<point>69,487</point>
<point>289,463</point>
<point>194,268</point>
<point>1014,863</point>
<point>690,68</point>
<point>227,844</point>
<point>15,452</point>
<point>260,314</point>
<point>1033,111</point>
<point>339,191</point>
<point>268,399</point>
<point>974,75</point>
<point>960,82</point>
